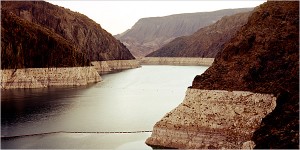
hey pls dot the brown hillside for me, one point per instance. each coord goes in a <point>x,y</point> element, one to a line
<point>28,45</point>
<point>206,42</point>
<point>150,34</point>
<point>264,58</point>
<point>91,39</point>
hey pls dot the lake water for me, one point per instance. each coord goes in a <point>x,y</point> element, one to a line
<point>130,100</point>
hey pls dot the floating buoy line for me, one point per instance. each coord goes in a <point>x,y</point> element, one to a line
<point>101,132</point>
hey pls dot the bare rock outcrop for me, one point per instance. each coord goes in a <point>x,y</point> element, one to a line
<point>111,65</point>
<point>149,34</point>
<point>263,57</point>
<point>45,77</point>
<point>212,119</point>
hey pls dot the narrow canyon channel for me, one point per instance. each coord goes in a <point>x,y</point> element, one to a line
<point>130,100</point>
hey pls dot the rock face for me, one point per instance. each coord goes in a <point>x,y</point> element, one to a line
<point>212,119</point>
<point>28,45</point>
<point>262,58</point>
<point>45,77</point>
<point>83,32</point>
<point>206,42</point>
<point>149,34</point>
<point>111,65</point>
<point>182,61</point>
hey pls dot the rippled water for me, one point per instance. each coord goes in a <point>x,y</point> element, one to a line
<point>130,100</point>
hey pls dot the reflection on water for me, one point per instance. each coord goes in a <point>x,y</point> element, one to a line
<point>130,100</point>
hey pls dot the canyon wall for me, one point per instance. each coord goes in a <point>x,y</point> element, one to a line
<point>263,57</point>
<point>45,77</point>
<point>207,41</point>
<point>106,66</point>
<point>213,119</point>
<point>184,61</point>
<point>149,34</point>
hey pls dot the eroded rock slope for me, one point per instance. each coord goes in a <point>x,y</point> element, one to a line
<point>264,57</point>
<point>149,34</point>
<point>206,42</point>
<point>257,73</point>
<point>28,45</point>
<point>83,32</point>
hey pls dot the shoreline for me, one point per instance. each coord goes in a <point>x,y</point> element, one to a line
<point>179,61</point>
<point>46,77</point>
<point>213,119</point>
<point>76,76</point>
<point>104,67</point>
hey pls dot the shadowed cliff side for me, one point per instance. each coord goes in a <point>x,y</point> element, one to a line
<point>149,34</point>
<point>206,42</point>
<point>83,32</point>
<point>28,45</point>
<point>264,58</point>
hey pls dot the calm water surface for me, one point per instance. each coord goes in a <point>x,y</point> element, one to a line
<point>130,100</point>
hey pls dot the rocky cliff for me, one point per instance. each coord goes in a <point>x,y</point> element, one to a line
<point>112,65</point>
<point>45,77</point>
<point>262,58</point>
<point>206,42</point>
<point>213,119</point>
<point>149,34</point>
<point>83,32</point>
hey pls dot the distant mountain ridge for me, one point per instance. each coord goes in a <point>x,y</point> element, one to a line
<point>83,32</point>
<point>149,34</point>
<point>207,41</point>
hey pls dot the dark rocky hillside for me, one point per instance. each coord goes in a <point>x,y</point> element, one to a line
<point>28,45</point>
<point>264,58</point>
<point>206,42</point>
<point>91,39</point>
<point>149,34</point>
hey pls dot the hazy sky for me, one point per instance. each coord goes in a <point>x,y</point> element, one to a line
<point>118,16</point>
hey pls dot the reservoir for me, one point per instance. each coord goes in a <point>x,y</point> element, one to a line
<point>125,101</point>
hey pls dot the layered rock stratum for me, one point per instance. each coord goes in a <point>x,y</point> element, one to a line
<point>206,42</point>
<point>262,58</point>
<point>149,34</point>
<point>112,65</point>
<point>182,61</point>
<point>77,28</point>
<point>46,77</point>
<point>211,119</point>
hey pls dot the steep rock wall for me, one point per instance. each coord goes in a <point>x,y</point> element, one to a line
<point>45,77</point>
<point>213,119</point>
<point>263,57</point>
